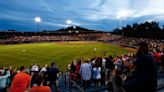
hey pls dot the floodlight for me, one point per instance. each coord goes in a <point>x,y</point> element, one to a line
<point>68,22</point>
<point>37,19</point>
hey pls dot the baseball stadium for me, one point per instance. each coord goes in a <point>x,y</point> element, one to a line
<point>81,46</point>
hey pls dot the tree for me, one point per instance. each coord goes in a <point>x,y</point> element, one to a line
<point>144,30</point>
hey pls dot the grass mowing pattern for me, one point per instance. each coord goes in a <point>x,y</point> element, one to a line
<point>61,52</point>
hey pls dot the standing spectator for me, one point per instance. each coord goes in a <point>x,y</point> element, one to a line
<point>157,57</point>
<point>20,82</point>
<point>116,81</point>
<point>118,63</point>
<point>44,69</point>
<point>12,74</point>
<point>34,78</point>
<point>3,79</point>
<point>52,73</point>
<point>145,77</point>
<point>73,67</point>
<point>85,71</point>
<point>72,72</point>
<point>78,71</point>
<point>162,61</point>
<point>96,74</point>
<point>78,67</point>
<point>109,66</point>
<point>103,71</point>
<point>34,68</point>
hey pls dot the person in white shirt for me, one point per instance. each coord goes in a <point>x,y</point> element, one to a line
<point>44,69</point>
<point>96,75</point>
<point>86,73</point>
<point>35,68</point>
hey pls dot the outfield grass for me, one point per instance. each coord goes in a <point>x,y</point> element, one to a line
<point>61,52</point>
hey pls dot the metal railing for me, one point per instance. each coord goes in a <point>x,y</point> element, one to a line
<point>71,82</point>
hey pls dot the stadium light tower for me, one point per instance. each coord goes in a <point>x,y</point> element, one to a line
<point>121,17</point>
<point>118,19</point>
<point>37,20</point>
<point>69,22</point>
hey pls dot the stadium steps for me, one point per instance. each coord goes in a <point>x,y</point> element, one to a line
<point>161,81</point>
<point>65,87</point>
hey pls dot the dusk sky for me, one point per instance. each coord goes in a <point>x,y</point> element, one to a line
<point>102,15</point>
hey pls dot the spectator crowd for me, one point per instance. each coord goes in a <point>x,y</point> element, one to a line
<point>33,79</point>
<point>123,73</point>
<point>19,39</point>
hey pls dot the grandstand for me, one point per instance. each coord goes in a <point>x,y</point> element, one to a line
<point>68,34</point>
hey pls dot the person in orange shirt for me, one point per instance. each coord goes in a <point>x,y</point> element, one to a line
<point>20,82</point>
<point>157,57</point>
<point>39,87</point>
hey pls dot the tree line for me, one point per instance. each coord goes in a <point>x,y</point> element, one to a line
<point>144,30</point>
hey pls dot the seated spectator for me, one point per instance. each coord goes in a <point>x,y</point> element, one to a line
<point>20,82</point>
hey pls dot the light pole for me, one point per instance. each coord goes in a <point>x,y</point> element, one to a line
<point>118,19</point>
<point>121,17</point>
<point>37,20</point>
<point>69,23</point>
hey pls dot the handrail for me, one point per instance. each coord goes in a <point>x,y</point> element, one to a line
<point>77,85</point>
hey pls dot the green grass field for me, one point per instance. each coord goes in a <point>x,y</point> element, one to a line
<point>60,52</point>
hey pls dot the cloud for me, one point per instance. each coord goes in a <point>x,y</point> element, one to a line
<point>97,14</point>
